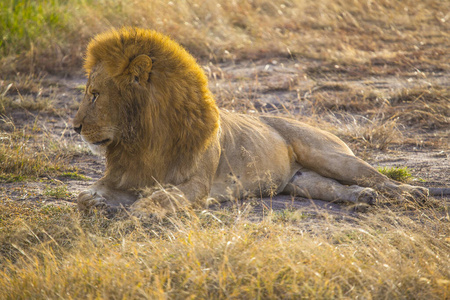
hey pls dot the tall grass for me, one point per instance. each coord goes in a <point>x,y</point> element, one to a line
<point>401,33</point>
<point>54,253</point>
<point>396,250</point>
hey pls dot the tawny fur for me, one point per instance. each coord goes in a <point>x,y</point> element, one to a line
<point>148,108</point>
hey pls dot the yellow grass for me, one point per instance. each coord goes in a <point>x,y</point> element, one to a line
<point>394,251</point>
<point>382,34</point>
<point>53,253</point>
<point>32,152</point>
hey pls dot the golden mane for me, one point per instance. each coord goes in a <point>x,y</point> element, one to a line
<point>171,118</point>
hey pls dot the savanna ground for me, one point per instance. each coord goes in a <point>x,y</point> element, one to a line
<point>375,73</point>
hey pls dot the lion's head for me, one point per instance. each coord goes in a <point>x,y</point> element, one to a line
<point>146,101</point>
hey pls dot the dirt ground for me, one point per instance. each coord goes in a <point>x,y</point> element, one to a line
<point>276,86</point>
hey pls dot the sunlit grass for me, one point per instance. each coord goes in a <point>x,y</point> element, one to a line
<point>58,191</point>
<point>223,30</point>
<point>74,175</point>
<point>52,251</point>
<point>422,107</point>
<point>399,251</point>
<point>23,157</point>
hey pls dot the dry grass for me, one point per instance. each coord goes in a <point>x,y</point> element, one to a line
<point>395,251</point>
<point>426,108</point>
<point>26,92</point>
<point>30,153</point>
<point>382,35</point>
<point>53,253</point>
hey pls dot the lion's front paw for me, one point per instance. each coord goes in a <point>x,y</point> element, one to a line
<point>147,208</point>
<point>143,214</point>
<point>90,200</point>
<point>159,203</point>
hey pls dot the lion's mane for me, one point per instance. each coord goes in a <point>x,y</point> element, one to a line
<point>167,122</point>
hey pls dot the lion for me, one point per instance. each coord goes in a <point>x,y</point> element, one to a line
<point>147,108</point>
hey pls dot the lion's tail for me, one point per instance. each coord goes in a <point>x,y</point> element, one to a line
<point>439,191</point>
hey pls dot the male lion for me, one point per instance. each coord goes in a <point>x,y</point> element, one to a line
<point>148,109</point>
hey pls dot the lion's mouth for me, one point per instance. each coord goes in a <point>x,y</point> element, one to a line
<point>102,142</point>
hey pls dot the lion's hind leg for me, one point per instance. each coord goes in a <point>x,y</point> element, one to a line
<point>309,184</point>
<point>351,170</point>
<point>328,156</point>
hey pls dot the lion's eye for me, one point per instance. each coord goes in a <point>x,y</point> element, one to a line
<point>94,97</point>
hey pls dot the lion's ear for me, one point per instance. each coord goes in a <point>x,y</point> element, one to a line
<point>140,69</point>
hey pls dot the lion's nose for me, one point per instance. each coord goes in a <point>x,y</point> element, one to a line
<point>77,129</point>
